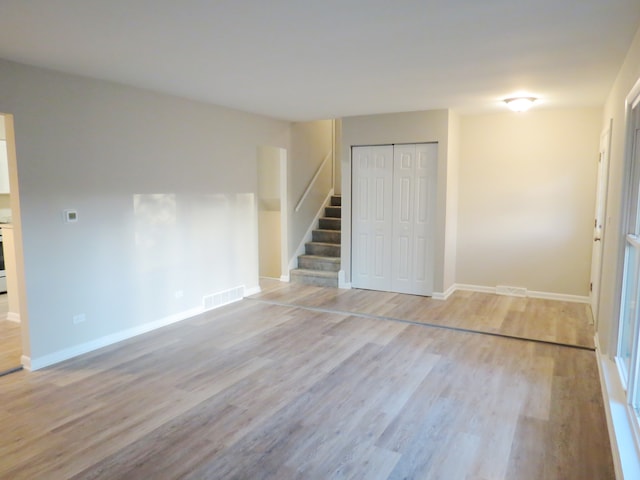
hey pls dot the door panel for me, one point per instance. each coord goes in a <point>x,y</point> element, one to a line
<point>403,217</point>
<point>373,169</point>
<point>424,225</point>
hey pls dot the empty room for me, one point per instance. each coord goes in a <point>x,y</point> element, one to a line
<point>294,240</point>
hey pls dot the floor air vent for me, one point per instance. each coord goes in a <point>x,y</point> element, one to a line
<point>225,297</point>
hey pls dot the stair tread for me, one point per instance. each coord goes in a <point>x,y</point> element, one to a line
<point>314,273</point>
<point>320,263</point>
<point>321,257</point>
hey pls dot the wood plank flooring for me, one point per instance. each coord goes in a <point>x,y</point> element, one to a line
<point>10,345</point>
<point>560,322</point>
<point>10,339</point>
<point>256,390</point>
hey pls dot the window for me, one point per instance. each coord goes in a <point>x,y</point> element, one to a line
<point>628,351</point>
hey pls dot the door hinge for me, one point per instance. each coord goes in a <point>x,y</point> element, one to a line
<point>595,223</point>
<point>591,287</point>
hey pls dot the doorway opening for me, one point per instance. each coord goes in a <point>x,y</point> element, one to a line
<point>599,223</point>
<point>272,213</point>
<point>11,329</point>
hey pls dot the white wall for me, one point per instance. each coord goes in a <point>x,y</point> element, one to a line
<point>411,127</point>
<point>165,192</point>
<point>527,196</point>
<point>310,143</point>
<point>613,242</point>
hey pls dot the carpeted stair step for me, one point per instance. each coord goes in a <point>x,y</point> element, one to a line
<point>317,262</point>
<point>328,223</point>
<point>322,249</point>
<point>336,200</point>
<point>326,236</point>
<point>333,212</point>
<point>314,277</point>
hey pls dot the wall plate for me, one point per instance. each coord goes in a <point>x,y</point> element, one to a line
<point>70,216</point>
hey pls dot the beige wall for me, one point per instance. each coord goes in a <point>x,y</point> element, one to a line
<point>526,203</point>
<point>453,181</point>
<point>269,214</point>
<point>165,190</point>
<point>410,127</point>
<point>338,153</point>
<point>613,241</point>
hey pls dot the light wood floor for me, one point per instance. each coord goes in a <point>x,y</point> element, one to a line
<point>10,340</point>
<point>529,318</point>
<point>256,390</point>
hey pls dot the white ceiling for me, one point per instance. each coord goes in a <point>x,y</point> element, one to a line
<point>304,59</point>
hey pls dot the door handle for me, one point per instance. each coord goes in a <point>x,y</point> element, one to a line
<point>597,239</point>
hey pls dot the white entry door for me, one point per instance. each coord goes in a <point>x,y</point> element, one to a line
<point>599,223</point>
<point>394,195</point>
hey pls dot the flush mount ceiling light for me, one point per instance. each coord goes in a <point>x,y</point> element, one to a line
<point>520,104</point>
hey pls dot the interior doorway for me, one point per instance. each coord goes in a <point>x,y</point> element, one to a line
<point>599,223</point>
<point>272,212</point>
<point>11,328</point>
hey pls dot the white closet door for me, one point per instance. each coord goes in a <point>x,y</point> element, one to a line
<point>414,197</point>
<point>372,217</point>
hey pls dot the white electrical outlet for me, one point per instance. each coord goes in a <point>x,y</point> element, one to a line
<point>81,317</point>
<point>179,294</point>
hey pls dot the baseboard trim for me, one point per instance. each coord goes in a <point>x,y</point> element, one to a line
<point>285,278</point>
<point>252,291</point>
<point>626,459</point>
<point>529,293</point>
<point>444,295</point>
<point>472,288</point>
<point>342,283</point>
<point>25,361</point>
<point>559,296</point>
<point>13,317</point>
<point>33,364</point>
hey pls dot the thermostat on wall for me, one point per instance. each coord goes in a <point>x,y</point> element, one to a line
<point>70,216</point>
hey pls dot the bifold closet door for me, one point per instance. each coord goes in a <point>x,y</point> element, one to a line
<point>393,199</point>
<point>414,187</point>
<point>372,217</point>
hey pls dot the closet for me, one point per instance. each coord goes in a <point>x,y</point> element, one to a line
<point>393,217</point>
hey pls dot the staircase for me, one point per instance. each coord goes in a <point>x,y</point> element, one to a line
<point>321,262</point>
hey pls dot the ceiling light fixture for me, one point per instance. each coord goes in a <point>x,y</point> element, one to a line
<point>520,104</point>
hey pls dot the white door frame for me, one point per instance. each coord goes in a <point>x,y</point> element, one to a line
<point>600,221</point>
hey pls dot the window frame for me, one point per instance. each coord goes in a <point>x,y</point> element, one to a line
<point>630,239</point>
